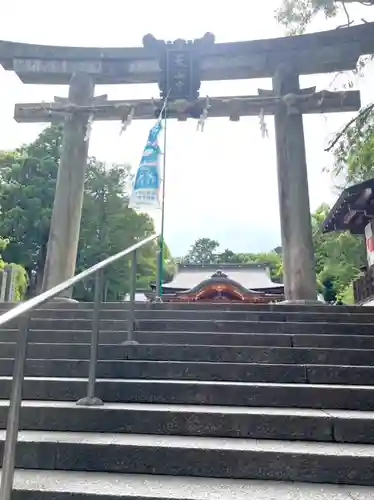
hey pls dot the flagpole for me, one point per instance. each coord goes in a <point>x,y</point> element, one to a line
<point>161,251</point>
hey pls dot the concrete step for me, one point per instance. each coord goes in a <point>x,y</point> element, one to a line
<point>231,458</point>
<point>64,485</point>
<point>196,306</point>
<point>204,326</point>
<point>335,316</point>
<point>189,420</point>
<point>196,338</point>
<point>338,397</point>
<point>218,353</point>
<point>199,338</point>
<point>245,326</point>
<point>176,370</point>
<point>333,341</point>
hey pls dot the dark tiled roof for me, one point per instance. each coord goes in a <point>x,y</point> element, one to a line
<point>251,276</point>
<point>335,221</point>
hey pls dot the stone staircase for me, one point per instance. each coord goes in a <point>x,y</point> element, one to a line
<point>217,402</point>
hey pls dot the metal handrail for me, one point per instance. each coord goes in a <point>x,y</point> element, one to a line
<point>23,312</point>
<point>41,299</point>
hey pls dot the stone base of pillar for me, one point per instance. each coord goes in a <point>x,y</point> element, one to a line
<point>302,302</point>
<point>59,301</point>
<point>64,300</point>
<point>89,402</point>
<point>157,300</point>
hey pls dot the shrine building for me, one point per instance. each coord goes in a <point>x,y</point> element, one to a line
<point>249,283</point>
<point>354,212</point>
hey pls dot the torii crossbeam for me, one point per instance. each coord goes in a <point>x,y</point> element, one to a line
<point>307,101</point>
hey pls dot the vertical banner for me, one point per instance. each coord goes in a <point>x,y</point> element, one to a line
<point>145,193</point>
<point>369,243</point>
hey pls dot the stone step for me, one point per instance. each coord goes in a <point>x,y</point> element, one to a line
<point>230,458</point>
<point>176,370</point>
<point>338,397</point>
<point>72,485</point>
<point>195,338</point>
<point>203,306</point>
<point>220,315</point>
<point>189,420</point>
<point>333,341</point>
<point>247,326</point>
<point>199,338</point>
<point>203,326</point>
<point>218,353</point>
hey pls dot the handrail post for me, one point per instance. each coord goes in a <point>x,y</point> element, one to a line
<point>15,401</point>
<point>158,276</point>
<point>131,315</point>
<point>91,399</point>
<point>158,297</point>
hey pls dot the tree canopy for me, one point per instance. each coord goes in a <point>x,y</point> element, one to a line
<point>338,257</point>
<point>20,279</point>
<point>353,150</point>
<point>27,185</point>
<point>296,15</point>
<point>205,251</point>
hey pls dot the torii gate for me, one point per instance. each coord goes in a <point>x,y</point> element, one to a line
<point>282,59</point>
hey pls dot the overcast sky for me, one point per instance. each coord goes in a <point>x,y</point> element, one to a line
<point>212,188</point>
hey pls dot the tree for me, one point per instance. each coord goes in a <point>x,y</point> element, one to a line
<point>109,226</point>
<point>203,251</point>
<point>338,256</point>
<point>27,184</point>
<point>296,15</point>
<point>21,281</point>
<point>353,150</point>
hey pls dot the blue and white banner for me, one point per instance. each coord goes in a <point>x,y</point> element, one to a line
<point>146,188</point>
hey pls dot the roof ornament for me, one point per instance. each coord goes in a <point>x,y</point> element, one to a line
<point>219,274</point>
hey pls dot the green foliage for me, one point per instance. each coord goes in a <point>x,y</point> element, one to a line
<point>354,150</point>
<point>204,251</point>
<point>338,256</point>
<point>346,296</point>
<point>27,185</point>
<point>21,280</point>
<point>109,226</point>
<point>296,15</point>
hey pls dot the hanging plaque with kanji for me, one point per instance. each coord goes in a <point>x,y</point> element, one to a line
<point>180,77</point>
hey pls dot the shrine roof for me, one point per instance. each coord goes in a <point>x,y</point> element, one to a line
<point>251,276</point>
<point>353,209</point>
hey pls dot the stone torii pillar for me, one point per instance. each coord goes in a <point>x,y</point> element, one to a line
<point>297,244</point>
<point>67,208</point>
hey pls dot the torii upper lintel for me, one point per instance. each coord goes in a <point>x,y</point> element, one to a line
<point>324,52</point>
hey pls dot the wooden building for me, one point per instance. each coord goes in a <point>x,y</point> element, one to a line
<point>249,283</point>
<point>354,212</point>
